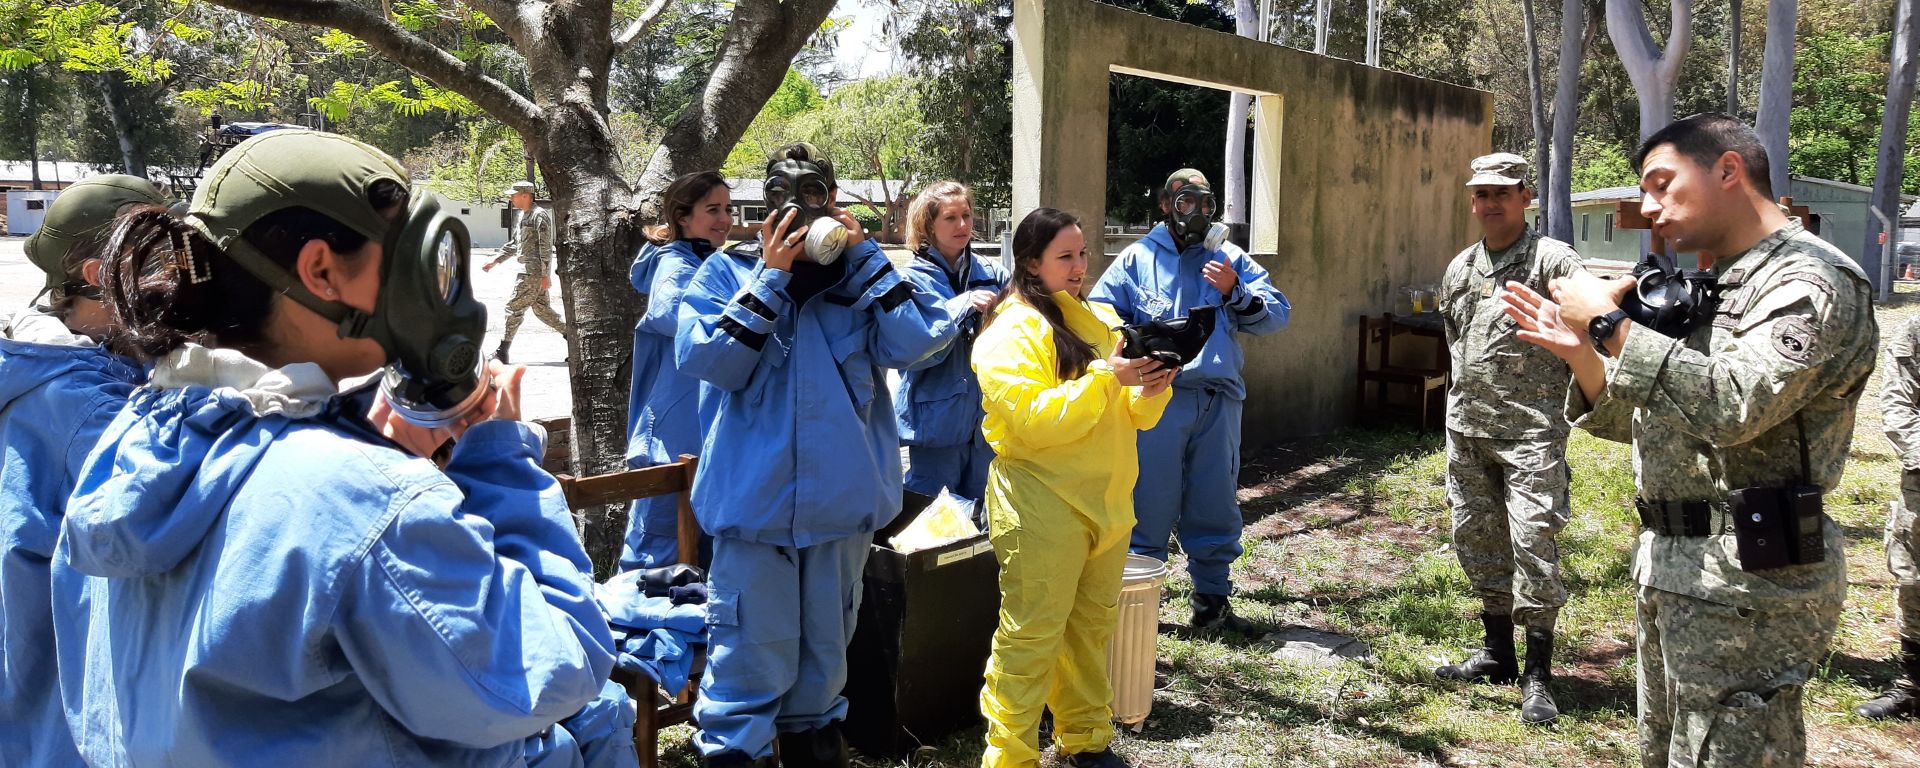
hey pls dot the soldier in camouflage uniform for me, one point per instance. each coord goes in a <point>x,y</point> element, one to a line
<point>532,241</point>
<point>1723,652</point>
<point>1900,415</point>
<point>1506,437</point>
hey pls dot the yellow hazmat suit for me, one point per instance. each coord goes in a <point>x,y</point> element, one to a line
<point>1059,511</point>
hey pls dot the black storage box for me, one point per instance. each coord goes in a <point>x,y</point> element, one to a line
<point>919,655</point>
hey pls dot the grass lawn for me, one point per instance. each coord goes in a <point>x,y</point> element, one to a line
<point>1349,533</point>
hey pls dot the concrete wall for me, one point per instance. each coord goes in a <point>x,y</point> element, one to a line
<point>1356,189</point>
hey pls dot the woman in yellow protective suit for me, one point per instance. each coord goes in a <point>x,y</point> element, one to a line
<point>1062,421</point>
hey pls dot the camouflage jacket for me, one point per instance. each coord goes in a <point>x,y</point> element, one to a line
<point>532,241</point>
<point>1900,397</point>
<point>1794,336</point>
<point>1502,387</point>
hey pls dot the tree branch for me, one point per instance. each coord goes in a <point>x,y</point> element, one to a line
<point>644,22</point>
<point>406,49</point>
<point>505,15</point>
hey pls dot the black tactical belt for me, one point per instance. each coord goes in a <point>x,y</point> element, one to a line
<point>1684,518</point>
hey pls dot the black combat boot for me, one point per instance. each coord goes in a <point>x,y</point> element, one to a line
<point>1902,698</point>
<point>822,747</point>
<point>500,354</point>
<point>1213,612</point>
<point>1494,662</point>
<point>1536,697</point>
<point>734,758</point>
<point>1102,759</point>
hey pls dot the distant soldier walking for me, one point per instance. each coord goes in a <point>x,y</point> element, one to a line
<point>532,241</point>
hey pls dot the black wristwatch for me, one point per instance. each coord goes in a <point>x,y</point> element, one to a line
<point>1601,328</point>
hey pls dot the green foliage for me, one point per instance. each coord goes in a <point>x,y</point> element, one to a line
<point>473,164</point>
<point>871,128</point>
<point>1840,87</point>
<point>1599,164</point>
<point>772,127</point>
<point>961,53</point>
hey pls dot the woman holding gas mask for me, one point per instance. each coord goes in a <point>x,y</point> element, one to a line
<point>253,568</point>
<point>1062,421</point>
<point>696,214</point>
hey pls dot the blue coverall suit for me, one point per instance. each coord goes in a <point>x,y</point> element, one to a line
<point>662,412</point>
<point>801,466</point>
<point>58,392</point>
<point>939,406</point>
<point>1190,461</point>
<point>249,574</point>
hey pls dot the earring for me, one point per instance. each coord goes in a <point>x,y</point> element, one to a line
<point>331,292</point>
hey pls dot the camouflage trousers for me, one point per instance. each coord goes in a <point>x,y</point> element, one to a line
<point>1509,500</point>
<point>1720,686</point>
<point>1903,553</point>
<point>529,293</point>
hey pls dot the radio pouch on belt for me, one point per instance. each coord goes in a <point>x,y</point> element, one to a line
<point>1780,526</point>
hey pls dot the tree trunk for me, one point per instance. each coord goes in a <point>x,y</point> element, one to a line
<point>1654,72</point>
<point>1776,91</point>
<point>1234,175</point>
<point>1733,58</point>
<point>1539,104</point>
<point>1890,167</point>
<point>1323,13</point>
<point>1576,31</point>
<point>114,91</point>
<point>33,128</point>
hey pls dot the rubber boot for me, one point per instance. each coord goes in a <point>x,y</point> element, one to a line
<point>1902,698</point>
<point>734,758</point>
<point>500,354</point>
<point>823,747</point>
<point>1536,696</point>
<point>1102,759</point>
<point>1493,662</point>
<point>1213,612</point>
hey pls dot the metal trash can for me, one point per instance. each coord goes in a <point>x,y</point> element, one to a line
<point>1131,655</point>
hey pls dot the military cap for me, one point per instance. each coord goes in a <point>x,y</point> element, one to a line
<point>1500,169</point>
<point>82,212</point>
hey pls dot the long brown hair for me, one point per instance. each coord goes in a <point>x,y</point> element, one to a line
<point>678,201</point>
<point>1030,240</point>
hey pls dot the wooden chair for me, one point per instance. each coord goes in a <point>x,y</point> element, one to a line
<point>658,708</point>
<point>1425,383</point>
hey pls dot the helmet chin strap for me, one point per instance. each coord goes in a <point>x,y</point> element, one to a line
<point>352,323</point>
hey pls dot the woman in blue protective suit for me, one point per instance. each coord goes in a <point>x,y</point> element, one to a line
<point>1062,421</point>
<point>939,398</point>
<point>59,388</point>
<point>258,568</point>
<point>802,460</point>
<point>662,415</point>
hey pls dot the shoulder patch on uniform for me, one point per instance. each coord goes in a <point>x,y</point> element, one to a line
<point>1794,338</point>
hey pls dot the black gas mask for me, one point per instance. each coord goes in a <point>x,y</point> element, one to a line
<point>801,187</point>
<point>1190,212</point>
<point>1672,301</point>
<point>1173,343</point>
<point>426,318</point>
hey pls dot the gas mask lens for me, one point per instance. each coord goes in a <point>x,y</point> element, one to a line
<point>1190,201</point>
<point>813,195</point>
<point>448,265</point>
